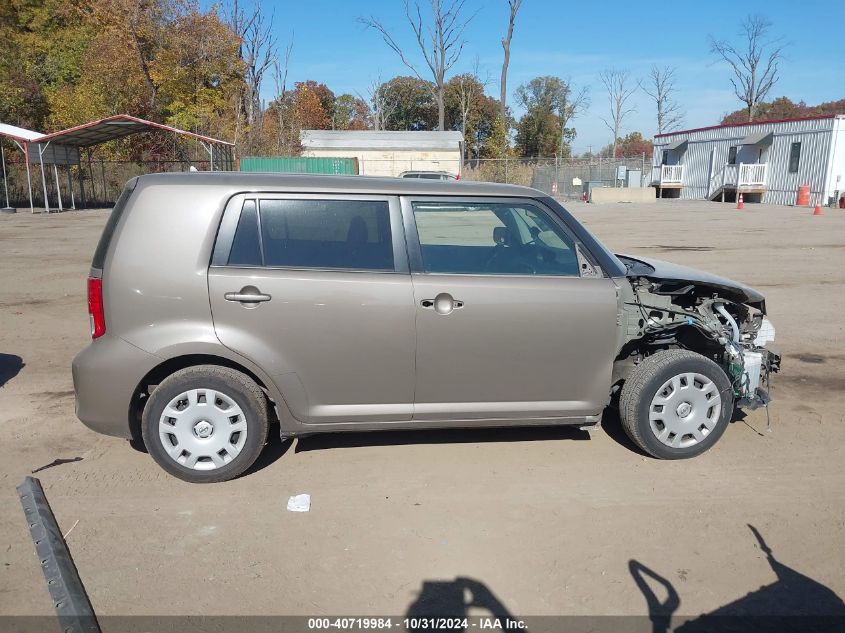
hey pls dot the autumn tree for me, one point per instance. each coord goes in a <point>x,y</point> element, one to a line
<point>350,113</point>
<point>440,39</point>
<point>410,104</point>
<point>631,145</point>
<point>754,61</point>
<point>550,103</point>
<point>197,72</point>
<point>784,108</point>
<point>313,105</point>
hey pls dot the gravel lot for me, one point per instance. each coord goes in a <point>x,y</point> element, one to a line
<point>548,520</point>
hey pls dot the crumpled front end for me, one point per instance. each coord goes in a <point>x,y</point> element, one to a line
<point>713,316</point>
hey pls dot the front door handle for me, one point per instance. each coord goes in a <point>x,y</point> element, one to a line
<point>443,303</point>
<point>247,294</point>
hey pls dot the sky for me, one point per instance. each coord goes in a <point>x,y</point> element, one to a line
<point>576,41</point>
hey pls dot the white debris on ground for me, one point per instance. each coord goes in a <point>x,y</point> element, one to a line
<point>299,503</point>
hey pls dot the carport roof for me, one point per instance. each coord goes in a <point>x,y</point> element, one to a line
<point>115,127</point>
<point>19,133</point>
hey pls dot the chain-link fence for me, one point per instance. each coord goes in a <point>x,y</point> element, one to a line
<point>98,183</point>
<point>568,178</point>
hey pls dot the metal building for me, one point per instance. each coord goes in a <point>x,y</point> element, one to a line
<point>388,153</point>
<point>767,161</point>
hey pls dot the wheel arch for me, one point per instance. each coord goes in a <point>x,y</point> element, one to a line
<point>168,367</point>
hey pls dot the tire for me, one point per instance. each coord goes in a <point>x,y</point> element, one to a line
<point>199,444</point>
<point>669,409</point>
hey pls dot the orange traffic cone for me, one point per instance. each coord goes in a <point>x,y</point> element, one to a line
<point>818,209</point>
<point>739,204</point>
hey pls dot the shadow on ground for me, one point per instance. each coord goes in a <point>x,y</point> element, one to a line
<point>351,439</point>
<point>10,366</point>
<point>793,602</point>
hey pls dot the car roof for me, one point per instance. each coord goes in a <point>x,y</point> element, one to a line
<point>318,183</point>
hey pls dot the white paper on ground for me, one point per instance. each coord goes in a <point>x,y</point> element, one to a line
<point>299,503</point>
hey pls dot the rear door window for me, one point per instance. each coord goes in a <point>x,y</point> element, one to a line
<point>350,234</point>
<point>246,247</point>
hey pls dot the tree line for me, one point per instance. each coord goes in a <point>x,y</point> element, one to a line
<point>65,62</point>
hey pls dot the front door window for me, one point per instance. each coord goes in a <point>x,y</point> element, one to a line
<point>492,239</point>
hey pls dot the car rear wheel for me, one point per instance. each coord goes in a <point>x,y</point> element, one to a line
<point>205,424</point>
<point>676,404</point>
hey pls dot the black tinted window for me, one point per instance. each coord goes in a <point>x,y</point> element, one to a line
<point>327,234</point>
<point>492,239</point>
<point>794,157</point>
<point>111,224</point>
<point>246,249</point>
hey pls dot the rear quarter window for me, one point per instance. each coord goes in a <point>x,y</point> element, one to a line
<point>111,225</point>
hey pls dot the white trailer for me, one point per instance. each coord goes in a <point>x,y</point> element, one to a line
<point>766,161</point>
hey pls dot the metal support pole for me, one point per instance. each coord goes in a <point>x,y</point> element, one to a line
<point>58,188</point>
<point>28,176</point>
<point>43,177</point>
<point>81,185</point>
<point>5,181</point>
<point>70,186</point>
<point>105,190</point>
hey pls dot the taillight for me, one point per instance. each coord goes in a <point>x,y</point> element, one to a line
<point>95,307</point>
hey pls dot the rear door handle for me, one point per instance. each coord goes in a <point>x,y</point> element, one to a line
<point>249,294</point>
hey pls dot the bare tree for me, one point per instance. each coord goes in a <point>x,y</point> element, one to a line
<point>258,53</point>
<point>280,78</point>
<point>380,106</point>
<point>470,88</point>
<point>754,62</point>
<point>441,42</point>
<point>506,45</point>
<point>573,105</point>
<point>619,91</point>
<point>660,86</point>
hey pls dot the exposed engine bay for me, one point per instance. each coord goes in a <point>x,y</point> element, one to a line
<point>667,306</point>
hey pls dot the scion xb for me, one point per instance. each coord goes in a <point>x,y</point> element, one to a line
<point>224,303</point>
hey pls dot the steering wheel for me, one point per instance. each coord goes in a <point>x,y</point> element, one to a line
<point>516,264</point>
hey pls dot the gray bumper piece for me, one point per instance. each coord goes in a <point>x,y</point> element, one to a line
<point>69,598</point>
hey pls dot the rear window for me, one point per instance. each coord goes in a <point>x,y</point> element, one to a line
<point>111,224</point>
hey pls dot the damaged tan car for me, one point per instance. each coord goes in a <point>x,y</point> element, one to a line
<point>224,304</point>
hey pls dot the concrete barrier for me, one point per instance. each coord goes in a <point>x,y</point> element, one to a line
<point>607,195</point>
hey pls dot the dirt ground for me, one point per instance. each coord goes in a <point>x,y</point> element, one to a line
<point>548,521</point>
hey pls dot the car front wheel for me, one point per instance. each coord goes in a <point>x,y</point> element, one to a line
<point>676,404</point>
<point>205,424</point>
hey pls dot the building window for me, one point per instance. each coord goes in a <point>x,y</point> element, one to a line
<point>794,157</point>
<point>665,160</point>
<point>732,155</point>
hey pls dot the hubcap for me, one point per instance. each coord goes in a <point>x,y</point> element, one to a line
<point>685,409</point>
<point>202,429</point>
